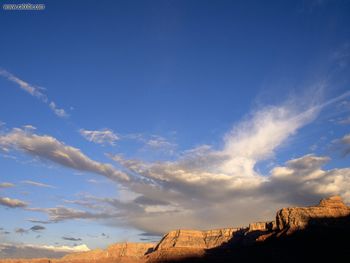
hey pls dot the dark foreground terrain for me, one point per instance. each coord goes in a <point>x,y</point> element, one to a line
<point>301,234</point>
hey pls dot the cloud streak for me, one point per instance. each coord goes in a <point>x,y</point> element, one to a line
<point>61,213</point>
<point>37,184</point>
<point>12,203</point>
<point>34,91</point>
<point>103,137</point>
<point>71,239</point>
<point>6,185</point>
<point>49,148</point>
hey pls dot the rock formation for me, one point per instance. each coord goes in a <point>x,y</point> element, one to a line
<point>227,243</point>
<point>119,250</point>
<point>297,218</point>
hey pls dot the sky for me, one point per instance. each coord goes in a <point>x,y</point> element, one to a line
<point>122,120</point>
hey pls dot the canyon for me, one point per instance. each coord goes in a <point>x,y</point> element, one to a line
<point>316,233</point>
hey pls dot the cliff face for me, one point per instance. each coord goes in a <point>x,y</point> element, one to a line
<point>297,218</point>
<point>120,252</point>
<point>196,238</point>
<point>179,245</point>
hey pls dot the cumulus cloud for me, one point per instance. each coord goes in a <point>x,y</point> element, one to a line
<point>49,148</point>
<point>300,181</point>
<point>305,174</point>
<point>105,136</point>
<point>8,250</point>
<point>12,203</point>
<point>205,187</point>
<point>37,184</point>
<point>34,91</point>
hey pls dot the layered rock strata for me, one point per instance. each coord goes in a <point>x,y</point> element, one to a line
<point>182,244</point>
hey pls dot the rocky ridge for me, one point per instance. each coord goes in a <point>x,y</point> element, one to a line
<point>181,244</point>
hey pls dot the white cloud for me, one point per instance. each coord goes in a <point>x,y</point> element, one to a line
<point>304,178</point>
<point>34,91</point>
<point>59,112</point>
<point>12,203</point>
<point>79,248</point>
<point>49,148</point>
<point>31,89</point>
<point>206,187</point>
<point>105,136</point>
<point>37,184</point>
<point>159,143</point>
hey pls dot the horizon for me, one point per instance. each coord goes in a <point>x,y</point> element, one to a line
<point>121,121</point>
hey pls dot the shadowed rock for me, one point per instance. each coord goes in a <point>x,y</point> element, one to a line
<point>296,218</point>
<point>313,234</point>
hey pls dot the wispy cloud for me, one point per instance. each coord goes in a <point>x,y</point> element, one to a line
<point>37,228</point>
<point>21,231</point>
<point>71,238</point>
<point>12,203</point>
<point>343,144</point>
<point>34,91</point>
<point>6,185</point>
<point>37,184</point>
<point>37,221</point>
<point>206,181</point>
<point>159,143</point>
<point>49,148</point>
<point>344,121</point>
<point>59,112</point>
<point>61,213</point>
<point>103,137</point>
<point>205,186</point>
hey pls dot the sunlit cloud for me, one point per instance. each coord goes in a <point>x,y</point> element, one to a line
<point>6,185</point>
<point>49,148</point>
<point>12,203</point>
<point>205,186</point>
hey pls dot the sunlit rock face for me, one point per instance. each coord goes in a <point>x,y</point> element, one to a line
<point>180,245</point>
<point>297,218</point>
<point>119,252</point>
<point>196,239</point>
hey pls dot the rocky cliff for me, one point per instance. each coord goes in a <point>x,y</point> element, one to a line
<point>265,239</point>
<point>297,218</point>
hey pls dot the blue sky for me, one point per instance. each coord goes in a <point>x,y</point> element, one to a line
<point>124,119</point>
